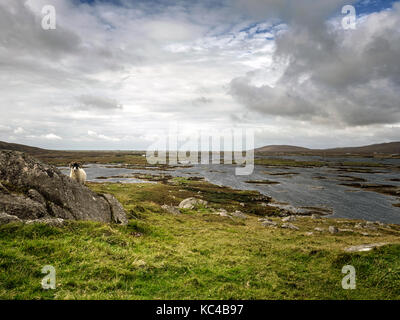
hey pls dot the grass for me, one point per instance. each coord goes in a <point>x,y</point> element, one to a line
<point>193,255</point>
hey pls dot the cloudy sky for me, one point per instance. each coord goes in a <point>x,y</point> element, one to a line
<point>118,74</point>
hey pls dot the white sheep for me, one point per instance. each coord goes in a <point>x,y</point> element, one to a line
<point>77,173</point>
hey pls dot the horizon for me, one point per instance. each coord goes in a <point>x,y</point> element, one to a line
<point>256,147</point>
<point>115,75</point>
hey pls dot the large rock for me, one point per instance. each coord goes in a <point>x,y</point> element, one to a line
<point>31,190</point>
<point>191,203</point>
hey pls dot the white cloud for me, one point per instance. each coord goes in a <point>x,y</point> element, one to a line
<point>51,136</point>
<point>127,71</point>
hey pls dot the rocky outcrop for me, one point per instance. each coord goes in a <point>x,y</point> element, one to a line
<point>32,190</point>
<point>191,203</point>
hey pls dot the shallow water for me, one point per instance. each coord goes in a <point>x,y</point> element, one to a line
<point>305,189</point>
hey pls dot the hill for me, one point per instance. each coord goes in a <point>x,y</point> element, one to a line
<point>382,148</point>
<point>388,148</point>
<point>22,148</point>
<point>281,148</point>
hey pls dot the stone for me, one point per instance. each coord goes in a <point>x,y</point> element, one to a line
<point>41,191</point>
<point>170,209</point>
<point>239,214</point>
<point>364,247</point>
<point>269,223</point>
<point>333,229</point>
<point>289,219</point>
<point>289,226</point>
<point>315,216</point>
<point>54,222</point>
<point>7,218</point>
<point>319,229</point>
<point>118,214</point>
<point>191,203</point>
<point>36,196</point>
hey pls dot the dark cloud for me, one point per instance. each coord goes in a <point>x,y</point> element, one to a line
<point>345,77</point>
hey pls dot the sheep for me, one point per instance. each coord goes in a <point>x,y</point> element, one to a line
<point>77,173</point>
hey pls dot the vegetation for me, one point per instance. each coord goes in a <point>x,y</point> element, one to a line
<point>195,254</point>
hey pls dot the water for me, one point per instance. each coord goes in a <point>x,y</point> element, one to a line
<point>304,189</point>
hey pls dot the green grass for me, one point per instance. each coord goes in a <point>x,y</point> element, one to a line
<point>194,255</point>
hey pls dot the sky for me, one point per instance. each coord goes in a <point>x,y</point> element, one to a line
<point>119,74</point>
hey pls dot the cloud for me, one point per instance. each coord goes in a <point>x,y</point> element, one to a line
<point>51,136</point>
<point>94,134</point>
<point>92,102</point>
<point>345,78</point>
<point>126,71</point>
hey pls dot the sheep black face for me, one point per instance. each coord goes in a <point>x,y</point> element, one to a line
<point>77,173</point>
<point>75,166</point>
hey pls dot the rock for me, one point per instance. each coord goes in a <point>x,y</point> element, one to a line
<point>36,196</point>
<point>370,225</point>
<point>333,229</point>
<point>118,214</point>
<point>170,209</point>
<point>346,230</point>
<point>315,216</point>
<point>364,247</point>
<point>289,226</point>
<point>191,203</point>
<point>54,222</point>
<point>239,214</point>
<point>41,191</point>
<point>7,218</point>
<point>269,223</point>
<point>319,229</point>
<point>241,204</point>
<point>223,213</point>
<point>309,233</point>
<point>367,225</point>
<point>3,189</point>
<point>289,219</point>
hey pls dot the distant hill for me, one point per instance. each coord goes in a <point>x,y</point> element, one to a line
<point>387,148</point>
<point>22,148</point>
<point>383,148</point>
<point>281,148</point>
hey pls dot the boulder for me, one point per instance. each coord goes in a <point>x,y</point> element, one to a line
<point>269,223</point>
<point>289,219</point>
<point>191,203</point>
<point>170,209</point>
<point>7,218</point>
<point>32,190</point>
<point>239,214</point>
<point>333,229</point>
<point>289,226</point>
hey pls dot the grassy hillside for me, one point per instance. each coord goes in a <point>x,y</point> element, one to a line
<point>195,254</point>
